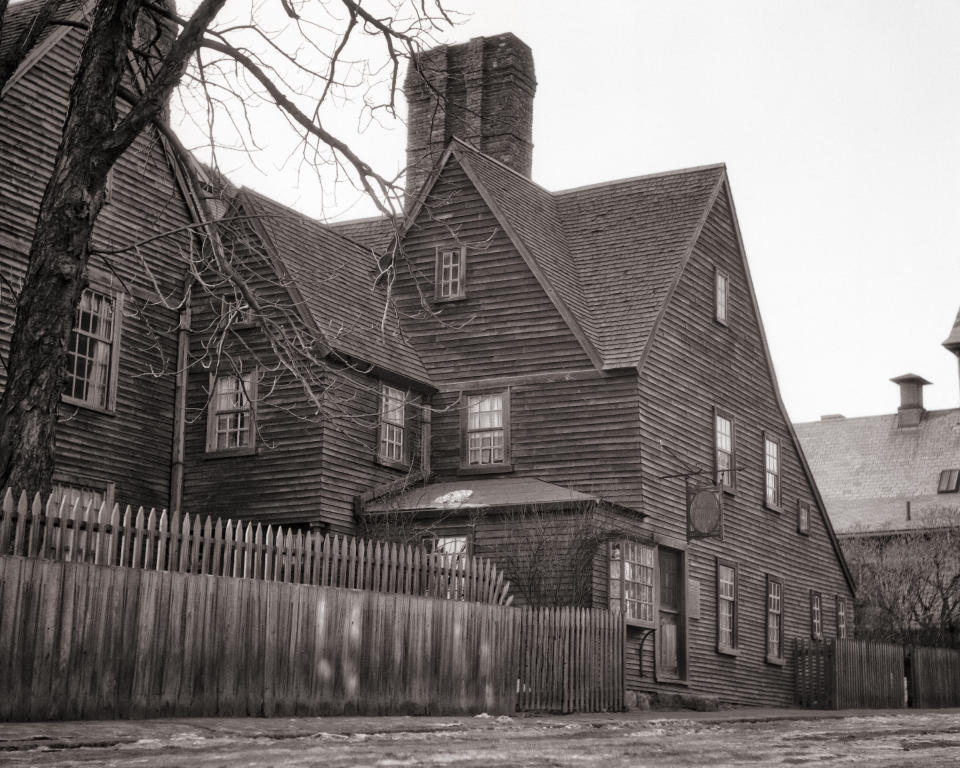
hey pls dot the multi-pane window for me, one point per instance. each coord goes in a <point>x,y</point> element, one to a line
<point>724,444</point>
<point>71,493</point>
<point>774,618</point>
<point>391,424</point>
<point>632,580</point>
<point>803,518</point>
<point>486,432</point>
<point>816,616</point>
<point>771,474</point>
<point>726,605</point>
<point>452,549</point>
<point>91,355</point>
<point>841,618</point>
<point>231,422</point>
<point>722,294</point>
<point>451,264</point>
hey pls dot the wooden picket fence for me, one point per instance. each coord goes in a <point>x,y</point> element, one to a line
<point>191,544</point>
<point>571,660</point>
<point>845,674</point>
<point>934,677</point>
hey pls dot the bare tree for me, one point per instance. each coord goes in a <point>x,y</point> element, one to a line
<point>908,582</point>
<point>136,53</point>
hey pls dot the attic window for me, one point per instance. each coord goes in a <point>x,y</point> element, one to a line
<point>722,292</point>
<point>949,481</point>
<point>451,273</point>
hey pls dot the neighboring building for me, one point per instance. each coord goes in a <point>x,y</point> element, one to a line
<point>587,353</point>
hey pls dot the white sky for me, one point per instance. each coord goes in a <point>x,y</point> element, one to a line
<point>839,123</point>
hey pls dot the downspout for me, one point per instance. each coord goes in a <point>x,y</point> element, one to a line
<point>180,403</point>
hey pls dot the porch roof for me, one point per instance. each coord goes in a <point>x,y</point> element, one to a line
<point>479,493</point>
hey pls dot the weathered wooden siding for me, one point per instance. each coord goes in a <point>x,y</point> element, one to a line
<point>695,364</point>
<point>506,325</point>
<point>131,447</point>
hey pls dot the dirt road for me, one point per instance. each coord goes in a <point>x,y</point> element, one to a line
<point>925,739</point>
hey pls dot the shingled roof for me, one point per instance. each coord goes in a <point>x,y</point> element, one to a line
<point>607,254</point>
<point>867,469</point>
<point>335,277</point>
<point>19,16</point>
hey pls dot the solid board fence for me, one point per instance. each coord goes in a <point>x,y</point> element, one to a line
<point>571,660</point>
<point>844,674</point>
<point>83,641</point>
<point>934,677</point>
<point>162,542</point>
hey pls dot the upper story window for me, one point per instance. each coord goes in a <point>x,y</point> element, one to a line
<point>841,618</point>
<point>803,517</point>
<point>771,472</point>
<point>392,438</point>
<point>949,481</point>
<point>816,616</point>
<point>726,606</point>
<point>725,450</point>
<point>774,619</point>
<point>486,430</point>
<point>451,272</point>
<point>632,580</point>
<point>722,295</point>
<point>231,417</point>
<point>93,352</point>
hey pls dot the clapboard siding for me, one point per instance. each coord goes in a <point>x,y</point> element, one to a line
<point>506,325</point>
<point>695,364</point>
<point>131,447</point>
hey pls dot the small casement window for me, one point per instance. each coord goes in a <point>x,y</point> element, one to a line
<point>453,550</point>
<point>803,518</point>
<point>771,472</point>
<point>725,450</point>
<point>632,580</point>
<point>816,616</point>
<point>841,618</point>
<point>949,481</point>
<point>451,272</point>
<point>774,619</point>
<point>727,572</point>
<point>454,544</point>
<point>486,430</point>
<point>722,295</point>
<point>87,492</point>
<point>235,312</point>
<point>392,440</point>
<point>231,418</point>
<point>93,351</point>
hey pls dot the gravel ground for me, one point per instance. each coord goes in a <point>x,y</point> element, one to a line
<point>863,739</point>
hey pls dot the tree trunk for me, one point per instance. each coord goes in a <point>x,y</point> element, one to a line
<point>57,266</point>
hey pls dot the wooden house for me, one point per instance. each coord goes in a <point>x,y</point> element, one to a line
<point>563,369</point>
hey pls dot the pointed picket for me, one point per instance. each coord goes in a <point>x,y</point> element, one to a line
<point>269,554</point>
<point>20,529</point>
<point>149,551</point>
<point>207,559</point>
<point>176,531</point>
<point>33,537</point>
<point>196,545</point>
<point>248,552</point>
<point>163,541</point>
<point>216,563</point>
<point>327,555</point>
<point>6,522</point>
<point>183,561</point>
<point>258,552</point>
<point>226,567</point>
<point>306,576</point>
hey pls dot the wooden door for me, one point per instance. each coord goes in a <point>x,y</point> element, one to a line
<point>671,613</point>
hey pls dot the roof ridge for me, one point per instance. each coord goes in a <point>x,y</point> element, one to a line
<point>871,416</point>
<point>643,177</point>
<point>502,164</point>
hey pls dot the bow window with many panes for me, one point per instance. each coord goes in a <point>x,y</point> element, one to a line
<point>632,580</point>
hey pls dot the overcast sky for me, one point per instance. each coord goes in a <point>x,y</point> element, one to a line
<point>839,123</point>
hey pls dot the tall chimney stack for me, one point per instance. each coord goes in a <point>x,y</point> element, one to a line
<point>910,411</point>
<point>481,92</point>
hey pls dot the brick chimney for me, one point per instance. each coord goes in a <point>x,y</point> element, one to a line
<point>481,92</point>
<point>911,399</point>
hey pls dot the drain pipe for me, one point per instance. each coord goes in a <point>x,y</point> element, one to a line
<point>180,403</point>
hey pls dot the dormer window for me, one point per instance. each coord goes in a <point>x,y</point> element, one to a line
<point>722,294</point>
<point>949,481</point>
<point>451,271</point>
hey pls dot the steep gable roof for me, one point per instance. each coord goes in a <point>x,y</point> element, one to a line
<point>868,469</point>
<point>17,21</point>
<point>607,255</point>
<point>335,278</point>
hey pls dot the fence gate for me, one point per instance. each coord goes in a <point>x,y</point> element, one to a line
<point>934,675</point>
<point>845,674</point>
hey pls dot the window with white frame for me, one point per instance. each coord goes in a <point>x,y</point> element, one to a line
<point>724,450</point>
<point>486,429</point>
<point>816,616</point>
<point>632,580</point>
<point>841,618</point>
<point>771,473</point>
<point>452,549</point>
<point>230,422</point>
<point>93,351</point>
<point>392,442</point>
<point>774,619</point>
<point>803,517</point>
<point>726,606</point>
<point>69,493</point>
<point>722,295</point>
<point>451,271</point>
